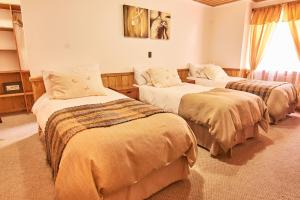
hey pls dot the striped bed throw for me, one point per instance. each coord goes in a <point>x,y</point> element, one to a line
<point>64,124</point>
<point>257,87</point>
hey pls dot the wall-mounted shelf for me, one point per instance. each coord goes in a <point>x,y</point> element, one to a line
<point>11,95</point>
<point>10,6</point>
<point>8,50</point>
<point>6,29</point>
<point>22,101</point>
<point>13,72</point>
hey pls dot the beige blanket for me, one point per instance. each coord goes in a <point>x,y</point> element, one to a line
<point>281,97</point>
<point>224,112</point>
<point>102,160</point>
<point>282,101</point>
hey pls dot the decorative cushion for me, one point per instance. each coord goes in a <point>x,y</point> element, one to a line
<point>214,72</point>
<point>147,78</point>
<point>139,75</point>
<point>197,70</point>
<point>164,77</point>
<point>67,86</point>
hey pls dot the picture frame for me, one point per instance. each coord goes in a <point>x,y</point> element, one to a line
<point>160,24</point>
<point>135,21</point>
<point>12,87</point>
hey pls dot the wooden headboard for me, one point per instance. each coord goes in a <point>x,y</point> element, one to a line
<point>109,80</point>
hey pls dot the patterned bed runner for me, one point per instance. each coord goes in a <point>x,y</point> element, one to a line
<point>65,123</point>
<point>257,87</point>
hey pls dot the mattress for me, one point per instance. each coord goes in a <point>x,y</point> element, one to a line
<point>168,98</point>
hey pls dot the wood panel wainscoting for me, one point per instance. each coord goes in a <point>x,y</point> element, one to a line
<point>110,80</point>
<point>237,72</point>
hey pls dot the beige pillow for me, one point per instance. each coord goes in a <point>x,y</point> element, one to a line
<point>68,86</point>
<point>164,77</point>
<point>214,72</point>
<point>147,78</point>
<point>197,70</point>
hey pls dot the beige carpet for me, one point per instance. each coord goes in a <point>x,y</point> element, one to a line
<point>264,168</point>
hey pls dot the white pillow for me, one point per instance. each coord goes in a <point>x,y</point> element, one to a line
<point>85,82</point>
<point>75,70</point>
<point>214,72</point>
<point>164,77</point>
<point>147,78</point>
<point>197,70</point>
<point>139,75</point>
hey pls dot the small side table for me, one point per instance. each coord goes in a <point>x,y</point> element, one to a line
<point>130,91</point>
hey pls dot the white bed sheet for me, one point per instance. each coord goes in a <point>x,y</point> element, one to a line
<point>168,98</point>
<point>44,107</point>
<point>214,83</point>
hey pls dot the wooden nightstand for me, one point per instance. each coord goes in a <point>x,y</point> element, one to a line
<point>189,81</point>
<point>130,91</point>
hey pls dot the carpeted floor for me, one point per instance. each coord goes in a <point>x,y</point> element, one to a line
<point>267,167</point>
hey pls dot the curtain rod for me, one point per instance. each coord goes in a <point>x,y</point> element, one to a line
<point>275,4</point>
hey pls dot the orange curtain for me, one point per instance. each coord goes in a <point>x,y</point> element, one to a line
<point>263,22</point>
<point>292,16</point>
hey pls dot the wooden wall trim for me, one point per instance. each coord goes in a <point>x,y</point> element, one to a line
<point>237,72</point>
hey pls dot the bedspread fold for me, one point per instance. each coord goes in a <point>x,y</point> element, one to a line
<point>224,112</point>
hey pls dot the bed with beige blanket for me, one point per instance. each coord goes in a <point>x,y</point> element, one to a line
<point>280,97</point>
<point>111,147</point>
<point>220,118</point>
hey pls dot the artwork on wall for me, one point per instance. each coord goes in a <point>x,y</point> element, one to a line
<point>159,25</point>
<point>135,21</point>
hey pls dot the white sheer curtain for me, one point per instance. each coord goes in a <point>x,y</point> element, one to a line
<point>19,34</point>
<point>280,53</point>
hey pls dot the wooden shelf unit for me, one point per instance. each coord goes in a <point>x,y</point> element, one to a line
<point>13,7</point>
<point>21,101</point>
<point>6,29</point>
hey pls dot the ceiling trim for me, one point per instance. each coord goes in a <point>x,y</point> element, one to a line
<point>215,3</point>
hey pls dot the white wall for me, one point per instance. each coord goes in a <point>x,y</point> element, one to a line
<point>76,32</point>
<point>230,32</point>
<point>229,23</point>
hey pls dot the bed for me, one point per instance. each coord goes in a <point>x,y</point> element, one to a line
<point>281,98</point>
<point>218,134</point>
<point>131,159</point>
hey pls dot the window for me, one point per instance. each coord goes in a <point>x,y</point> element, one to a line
<point>280,53</point>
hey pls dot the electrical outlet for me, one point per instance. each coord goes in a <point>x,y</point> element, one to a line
<point>149,54</point>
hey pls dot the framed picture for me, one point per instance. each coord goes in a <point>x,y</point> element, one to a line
<point>135,22</point>
<point>12,87</point>
<point>160,25</point>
